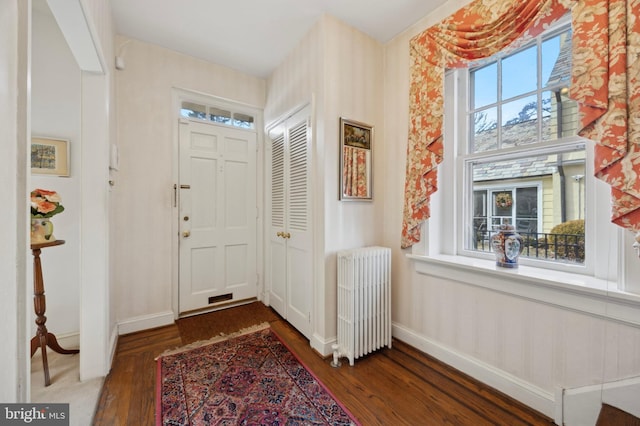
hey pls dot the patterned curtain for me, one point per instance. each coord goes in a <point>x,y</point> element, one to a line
<point>606,84</point>
<point>600,30</point>
<point>354,172</point>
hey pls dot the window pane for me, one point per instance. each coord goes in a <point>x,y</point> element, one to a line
<point>527,210</point>
<point>520,122</point>
<point>559,115</point>
<point>220,116</point>
<point>556,60</point>
<point>191,110</point>
<point>243,120</point>
<point>485,85</point>
<point>485,132</point>
<point>520,73</point>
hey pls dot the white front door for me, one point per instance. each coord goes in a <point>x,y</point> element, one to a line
<point>217,184</point>
<point>290,268</point>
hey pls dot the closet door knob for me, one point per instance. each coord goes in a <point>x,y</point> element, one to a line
<point>186,234</point>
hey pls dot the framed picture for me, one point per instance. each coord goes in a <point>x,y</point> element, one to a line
<point>356,174</point>
<point>49,156</point>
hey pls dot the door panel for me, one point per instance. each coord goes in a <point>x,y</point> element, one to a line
<point>278,277</point>
<point>217,215</point>
<point>299,243</point>
<point>299,289</point>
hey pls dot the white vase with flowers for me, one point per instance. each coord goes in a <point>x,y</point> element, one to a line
<point>44,205</point>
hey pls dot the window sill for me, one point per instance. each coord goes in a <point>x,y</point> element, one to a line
<point>577,292</point>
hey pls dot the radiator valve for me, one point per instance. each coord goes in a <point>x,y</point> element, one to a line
<point>336,356</point>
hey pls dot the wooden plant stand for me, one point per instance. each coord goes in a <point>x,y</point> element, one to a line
<point>43,337</point>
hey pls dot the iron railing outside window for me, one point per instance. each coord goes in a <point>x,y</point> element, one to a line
<point>540,245</point>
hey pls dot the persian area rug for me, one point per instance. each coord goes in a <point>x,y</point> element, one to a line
<point>250,378</point>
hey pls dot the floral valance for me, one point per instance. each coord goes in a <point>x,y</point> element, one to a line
<point>604,83</point>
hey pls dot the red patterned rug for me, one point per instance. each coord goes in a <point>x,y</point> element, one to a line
<point>244,379</point>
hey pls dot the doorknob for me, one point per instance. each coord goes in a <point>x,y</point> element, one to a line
<point>186,234</point>
<point>280,234</point>
<point>286,235</point>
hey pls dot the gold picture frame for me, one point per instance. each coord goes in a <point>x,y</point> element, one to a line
<point>356,161</point>
<point>49,156</point>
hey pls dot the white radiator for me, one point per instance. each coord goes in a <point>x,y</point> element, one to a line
<point>364,301</point>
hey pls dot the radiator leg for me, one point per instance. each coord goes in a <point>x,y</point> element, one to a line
<point>336,356</point>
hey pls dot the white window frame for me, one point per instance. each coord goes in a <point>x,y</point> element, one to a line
<point>605,288</point>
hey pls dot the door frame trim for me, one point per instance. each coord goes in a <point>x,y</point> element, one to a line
<point>177,96</point>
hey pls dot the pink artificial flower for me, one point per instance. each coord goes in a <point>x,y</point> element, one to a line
<point>45,206</point>
<point>45,203</point>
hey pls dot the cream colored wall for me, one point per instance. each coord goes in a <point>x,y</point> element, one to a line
<point>339,68</point>
<point>542,346</point>
<point>143,191</point>
<point>299,78</point>
<point>354,89</point>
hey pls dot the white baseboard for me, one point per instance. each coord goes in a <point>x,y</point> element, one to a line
<point>145,322</point>
<point>113,345</point>
<point>525,392</point>
<point>322,346</point>
<point>581,406</point>
<point>69,340</point>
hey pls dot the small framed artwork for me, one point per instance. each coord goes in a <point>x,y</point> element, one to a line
<point>356,174</point>
<point>49,156</point>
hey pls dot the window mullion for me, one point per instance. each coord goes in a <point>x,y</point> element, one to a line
<point>499,106</point>
<point>539,92</point>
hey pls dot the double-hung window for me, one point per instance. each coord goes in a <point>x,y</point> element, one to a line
<point>518,159</point>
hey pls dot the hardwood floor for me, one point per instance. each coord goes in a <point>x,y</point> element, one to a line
<point>398,386</point>
<point>612,416</point>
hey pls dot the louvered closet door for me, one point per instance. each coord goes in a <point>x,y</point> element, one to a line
<point>290,249</point>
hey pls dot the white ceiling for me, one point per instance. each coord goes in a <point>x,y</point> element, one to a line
<point>254,36</point>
